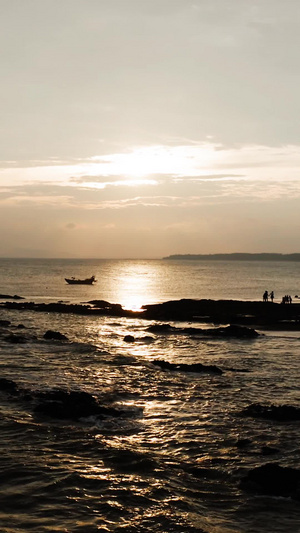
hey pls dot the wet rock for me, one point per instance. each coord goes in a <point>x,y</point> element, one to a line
<point>232,331</point>
<point>5,323</point>
<point>210,311</point>
<point>103,304</point>
<point>147,338</point>
<point>236,331</point>
<point>55,335</point>
<point>224,312</point>
<point>8,385</point>
<point>243,443</point>
<point>274,480</point>
<point>15,297</point>
<point>129,338</point>
<point>231,369</point>
<point>161,328</point>
<point>196,367</point>
<point>269,450</point>
<point>130,462</point>
<point>16,339</point>
<point>280,413</point>
<point>71,405</point>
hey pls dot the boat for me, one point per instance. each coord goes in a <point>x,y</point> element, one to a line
<point>86,281</point>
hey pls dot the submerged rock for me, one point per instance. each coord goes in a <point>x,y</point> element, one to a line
<point>196,367</point>
<point>129,338</point>
<point>15,297</point>
<point>281,413</point>
<point>16,339</point>
<point>5,323</point>
<point>274,480</point>
<point>243,443</point>
<point>269,450</point>
<point>161,328</point>
<point>8,385</point>
<point>130,461</point>
<point>55,335</point>
<point>231,331</point>
<point>147,338</point>
<point>71,405</point>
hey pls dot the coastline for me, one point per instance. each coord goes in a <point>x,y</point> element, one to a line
<point>237,256</point>
<point>218,312</point>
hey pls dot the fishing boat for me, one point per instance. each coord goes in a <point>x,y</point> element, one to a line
<point>86,281</point>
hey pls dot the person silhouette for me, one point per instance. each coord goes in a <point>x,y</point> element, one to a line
<point>272,296</point>
<point>265,296</point>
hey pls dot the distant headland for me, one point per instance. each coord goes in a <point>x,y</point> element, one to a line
<point>235,257</point>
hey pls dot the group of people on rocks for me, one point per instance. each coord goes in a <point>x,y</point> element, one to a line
<point>287,299</point>
<point>266,296</point>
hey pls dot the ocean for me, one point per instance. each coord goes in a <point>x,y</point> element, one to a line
<point>170,451</point>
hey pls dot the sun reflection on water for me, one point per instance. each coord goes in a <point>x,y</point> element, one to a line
<point>133,288</point>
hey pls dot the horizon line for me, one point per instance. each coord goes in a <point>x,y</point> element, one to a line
<point>155,258</point>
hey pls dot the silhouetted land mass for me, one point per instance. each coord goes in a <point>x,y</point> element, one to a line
<point>243,313</point>
<point>235,257</point>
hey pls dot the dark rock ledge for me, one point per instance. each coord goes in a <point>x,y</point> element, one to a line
<point>63,404</point>
<point>195,367</point>
<point>224,332</point>
<point>279,413</point>
<point>273,480</point>
<point>244,313</point>
<point>9,297</point>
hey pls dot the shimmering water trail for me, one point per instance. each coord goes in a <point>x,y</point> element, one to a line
<point>169,462</point>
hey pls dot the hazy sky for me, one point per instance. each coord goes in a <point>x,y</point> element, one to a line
<point>142,128</point>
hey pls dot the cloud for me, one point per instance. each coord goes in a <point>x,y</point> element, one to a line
<point>163,177</point>
<point>148,165</point>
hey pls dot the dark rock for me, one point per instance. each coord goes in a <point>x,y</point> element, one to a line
<point>231,369</point>
<point>71,405</point>
<point>196,367</point>
<point>280,413</point>
<point>268,450</point>
<point>239,332</point>
<point>243,443</point>
<point>15,297</point>
<point>130,461</point>
<point>274,480</point>
<point>8,385</point>
<point>225,312</point>
<point>21,326</point>
<point>5,323</point>
<point>147,339</point>
<point>103,304</point>
<point>129,338</point>
<point>244,313</point>
<point>55,335</point>
<point>16,339</point>
<point>161,328</point>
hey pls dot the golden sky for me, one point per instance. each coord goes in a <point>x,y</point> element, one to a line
<point>143,128</point>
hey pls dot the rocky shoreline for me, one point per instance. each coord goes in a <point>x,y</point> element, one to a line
<point>245,313</point>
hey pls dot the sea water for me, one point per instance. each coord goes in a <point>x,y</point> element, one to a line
<point>170,462</point>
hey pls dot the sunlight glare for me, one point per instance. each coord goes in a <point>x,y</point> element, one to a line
<point>133,288</point>
<point>151,160</point>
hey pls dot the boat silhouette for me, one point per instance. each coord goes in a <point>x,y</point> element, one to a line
<point>86,281</point>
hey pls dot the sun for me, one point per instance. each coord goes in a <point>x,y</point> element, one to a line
<point>141,162</point>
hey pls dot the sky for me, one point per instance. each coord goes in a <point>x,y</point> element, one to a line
<point>144,128</point>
